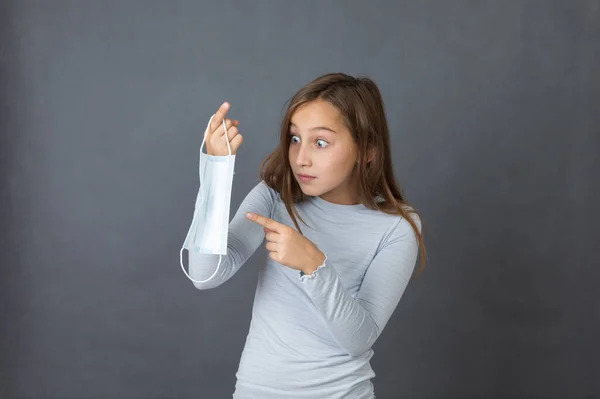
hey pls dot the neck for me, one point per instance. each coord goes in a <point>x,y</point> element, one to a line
<point>347,195</point>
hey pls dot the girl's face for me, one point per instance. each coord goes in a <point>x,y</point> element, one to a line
<point>322,147</point>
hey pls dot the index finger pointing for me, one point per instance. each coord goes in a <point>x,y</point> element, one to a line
<point>263,221</point>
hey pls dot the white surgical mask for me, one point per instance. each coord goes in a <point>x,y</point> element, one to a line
<point>209,228</point>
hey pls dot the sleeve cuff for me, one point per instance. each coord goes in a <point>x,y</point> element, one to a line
<point>304,276</point>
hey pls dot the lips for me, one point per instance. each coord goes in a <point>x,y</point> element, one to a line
<point>306,178</point>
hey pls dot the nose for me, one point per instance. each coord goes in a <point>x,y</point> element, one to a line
<point>303,156</point>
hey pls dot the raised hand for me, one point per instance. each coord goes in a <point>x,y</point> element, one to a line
<point>288,247</point>
<point>215,140</point>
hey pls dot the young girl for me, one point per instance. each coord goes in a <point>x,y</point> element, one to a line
<point>328,287</point>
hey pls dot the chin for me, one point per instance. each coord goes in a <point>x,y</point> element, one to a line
<point>307,189</point>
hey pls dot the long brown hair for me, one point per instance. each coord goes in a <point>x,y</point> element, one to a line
<point>361,105</point>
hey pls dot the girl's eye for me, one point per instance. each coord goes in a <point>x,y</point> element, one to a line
<point>324,143</point>
<point>320,142</point>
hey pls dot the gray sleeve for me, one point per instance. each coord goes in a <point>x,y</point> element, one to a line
<point>356,323</point>
<point>243,238</point>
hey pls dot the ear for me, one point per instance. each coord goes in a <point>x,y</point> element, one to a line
<point>371,155</point>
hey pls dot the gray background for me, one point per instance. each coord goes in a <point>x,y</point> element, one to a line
<point>494,112</point>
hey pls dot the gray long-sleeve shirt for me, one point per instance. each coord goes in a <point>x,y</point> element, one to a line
<point>311,335</point>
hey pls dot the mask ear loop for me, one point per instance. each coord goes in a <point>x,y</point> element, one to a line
<point>201,199</point>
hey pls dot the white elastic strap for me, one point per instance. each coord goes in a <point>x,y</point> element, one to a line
<point>201,199</point>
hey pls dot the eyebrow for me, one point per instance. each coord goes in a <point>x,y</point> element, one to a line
<point>317,128</point>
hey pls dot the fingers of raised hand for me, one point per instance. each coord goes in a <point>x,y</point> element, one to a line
<point>236,142</point>
<point>217,119</point>
<point>229,124</point>
<point>232,131</point>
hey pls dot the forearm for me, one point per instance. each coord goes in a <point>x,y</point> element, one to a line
<point>350,324</point>
<point>203,266</point>
<point>243,238</point>
<point>356,322</point>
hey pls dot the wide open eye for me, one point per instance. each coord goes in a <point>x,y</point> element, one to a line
<point>323,143</point>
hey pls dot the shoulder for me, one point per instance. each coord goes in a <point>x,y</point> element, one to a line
<point>264,187</point>
<point>414,216</point>
<point>260,199</point>
<point>261,191</point>
<point>400,230</point>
